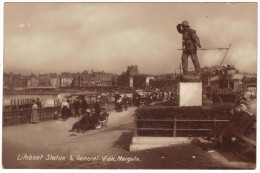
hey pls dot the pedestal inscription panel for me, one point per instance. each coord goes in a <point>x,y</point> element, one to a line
<point>190,94</point>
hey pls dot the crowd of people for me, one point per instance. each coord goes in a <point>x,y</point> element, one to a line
<point>150,97</point>
<point>91,118</point>
<point>122,102</point>
<point>77,107</point>
<point>89,121</point>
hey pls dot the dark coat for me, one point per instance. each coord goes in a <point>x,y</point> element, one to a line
<point>240,124</point>
<point>189,38</point>
<point>76,104</point>
<point>65,112</point>
<point>84,104</point>
<point>97,107</point>
<point>85,123</point>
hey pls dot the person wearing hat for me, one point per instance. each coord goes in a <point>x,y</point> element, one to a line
<point>84,106</point>
<point>65,111</point>
<point>76,105</point>
<point>190,41</point>
<point>244,106</point>
<point>97,105</point>
<point>239,122</point>
<point>34,114</point>
<point>84,123</point>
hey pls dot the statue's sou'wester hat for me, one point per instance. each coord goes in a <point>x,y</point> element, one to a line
<point>185,23</point>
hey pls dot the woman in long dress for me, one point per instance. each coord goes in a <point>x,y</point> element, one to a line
<point>65,112</point>
<point>34,115</point>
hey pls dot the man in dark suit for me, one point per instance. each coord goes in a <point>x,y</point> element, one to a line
<point>76,105</point>
<point>239,122</point>
<point>84,106</point>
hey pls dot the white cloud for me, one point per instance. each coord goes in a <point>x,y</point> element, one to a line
<point>245,57</point>
<point>114,35</point>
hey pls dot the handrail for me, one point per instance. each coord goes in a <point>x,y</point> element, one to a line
<point>180,120</point>
<point>15,117</point>
<point>174,125</point>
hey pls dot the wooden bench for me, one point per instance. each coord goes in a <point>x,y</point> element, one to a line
<point>245,131</point>
<point>245,142</point>
<point>241,133</point>
<point>245,138</point>
<point>245,148</point>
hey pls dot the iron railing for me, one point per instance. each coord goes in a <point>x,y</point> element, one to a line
<point>15,117</point>
<point>175,127</point>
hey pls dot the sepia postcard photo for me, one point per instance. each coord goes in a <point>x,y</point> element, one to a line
<point>129,85</point>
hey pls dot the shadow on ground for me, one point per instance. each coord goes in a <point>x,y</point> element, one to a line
<point>231,155</point>
<point>124,141</point>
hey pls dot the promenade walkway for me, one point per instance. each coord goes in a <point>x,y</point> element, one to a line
<point>107,147</point>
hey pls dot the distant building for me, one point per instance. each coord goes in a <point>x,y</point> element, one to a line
<point>133,79</point>
<point>77,81</point>
<point>33,81</point>
<point>122,80</point>
<point>54,80</point>
<point>7,80</point>
<point>164,82</point>
<point>41,88</point>
<point>15,78</point>
<point>126,78</point>
<point>66,79</point>
<point>97,79</point>
<point>11,81</point>
<point>132,71</point>
<point>103,79</point>
<point>249,82</point>
<point>44,80</point>
<point>142,81</point>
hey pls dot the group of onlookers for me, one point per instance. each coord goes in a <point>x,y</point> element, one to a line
<point>79,105</point>
<point>122,102</point>
<point>90,119</point>
<point>148,98</point>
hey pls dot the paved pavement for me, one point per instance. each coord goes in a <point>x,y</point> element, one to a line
<point>50,142</point>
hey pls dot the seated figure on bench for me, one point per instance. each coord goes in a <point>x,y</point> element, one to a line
<point>240,122</point>
<point>103,119</point>
<point>85,123</point>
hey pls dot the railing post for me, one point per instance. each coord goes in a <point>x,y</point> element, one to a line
<point>135,127</point>
<point>214,122</point>
<point>174,126</point>
<point>16,117</point>
<point>44,113</point>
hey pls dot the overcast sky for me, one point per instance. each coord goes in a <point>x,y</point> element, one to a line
<point>59,37</point>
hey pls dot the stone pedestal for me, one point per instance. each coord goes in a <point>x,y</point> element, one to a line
<point>190,94</point>
<point>190,78</point>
